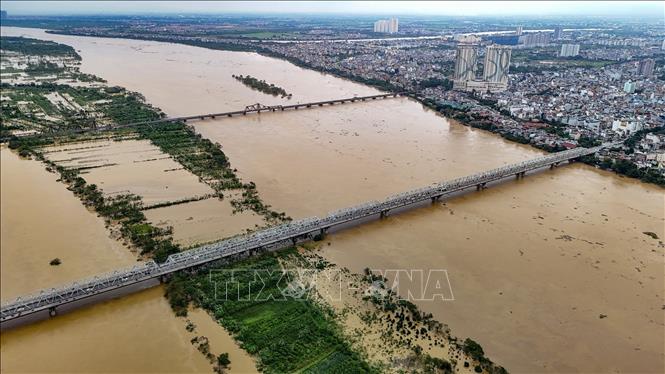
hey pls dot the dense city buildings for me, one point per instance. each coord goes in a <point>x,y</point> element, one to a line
<point>569,50</point>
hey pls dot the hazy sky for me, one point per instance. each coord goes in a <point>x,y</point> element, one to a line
<point>481,8</point>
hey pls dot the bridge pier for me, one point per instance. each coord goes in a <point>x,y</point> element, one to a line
<point>482,186</point>
<point>384,214</point>
<point>520,175</point>
<point>52,312</point>
<point>230,115</point>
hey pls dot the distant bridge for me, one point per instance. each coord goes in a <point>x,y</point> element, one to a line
<point>149,273</point>
<point>250,109</point>
<point>258,108</point>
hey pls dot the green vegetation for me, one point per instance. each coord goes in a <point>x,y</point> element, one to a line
<point>37,47</point>
<point>261,85</point>
<point>223,360</point>
<point>629,169</point>
<point>651,234</point>
<point>285,334</point>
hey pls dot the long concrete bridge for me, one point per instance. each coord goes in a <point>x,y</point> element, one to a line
<point>124,281</point>
<point>250,109</point>
<point>258,108</point>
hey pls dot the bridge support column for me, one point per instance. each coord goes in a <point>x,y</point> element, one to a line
<point>52,312</point>
<point>481,186</point>
<point>520,175</point>
<point>294,241</point>
<point>384,214</point>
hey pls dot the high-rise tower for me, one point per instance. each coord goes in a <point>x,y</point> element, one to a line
<point>466,60</point>
<point>497,62</point>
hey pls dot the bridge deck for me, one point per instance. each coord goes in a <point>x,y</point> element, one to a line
<point>274,236</point>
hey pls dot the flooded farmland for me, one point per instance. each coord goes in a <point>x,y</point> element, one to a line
<point>535,304</point>
<point>42,221</point>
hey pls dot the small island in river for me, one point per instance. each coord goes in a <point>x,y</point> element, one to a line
<point>262,86</point>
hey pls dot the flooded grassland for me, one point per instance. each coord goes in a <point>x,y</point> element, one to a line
<point>172,196</point>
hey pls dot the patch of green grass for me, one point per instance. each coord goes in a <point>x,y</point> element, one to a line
<point>285,334</point>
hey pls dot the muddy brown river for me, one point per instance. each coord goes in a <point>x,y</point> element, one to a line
<point>551,273</point>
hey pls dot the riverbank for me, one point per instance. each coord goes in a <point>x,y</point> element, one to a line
<point>606,162</point>
<point>302,317</point>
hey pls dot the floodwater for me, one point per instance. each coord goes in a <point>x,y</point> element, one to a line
<point>135,334</point>
<point>550,274</point>
<point>41,221</point>
<point>130,166</point>
<point>203,221</point>
<point>139,167</point>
